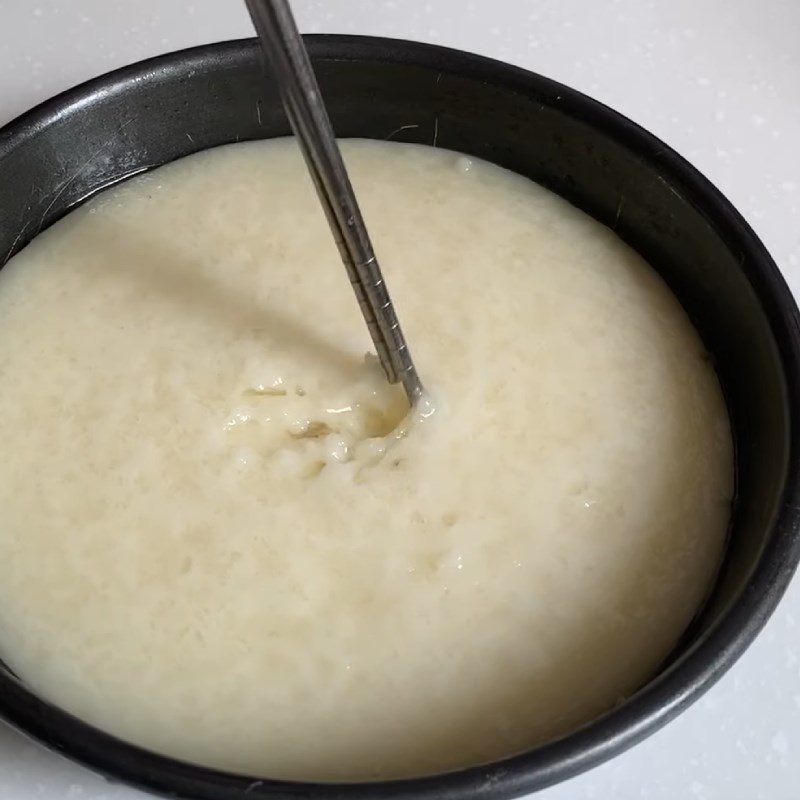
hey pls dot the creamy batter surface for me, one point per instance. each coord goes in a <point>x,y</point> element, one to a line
<point>223,539</point>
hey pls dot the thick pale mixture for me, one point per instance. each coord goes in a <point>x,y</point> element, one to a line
<point>214,541</point>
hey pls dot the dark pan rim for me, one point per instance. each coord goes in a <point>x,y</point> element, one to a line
<point>658,702</point>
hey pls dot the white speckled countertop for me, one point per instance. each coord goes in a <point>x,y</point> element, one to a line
<point>719,80</point>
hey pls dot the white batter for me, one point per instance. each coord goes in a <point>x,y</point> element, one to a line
<point>214,544</point>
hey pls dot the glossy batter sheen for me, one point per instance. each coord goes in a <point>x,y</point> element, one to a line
<point>215,541</point>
